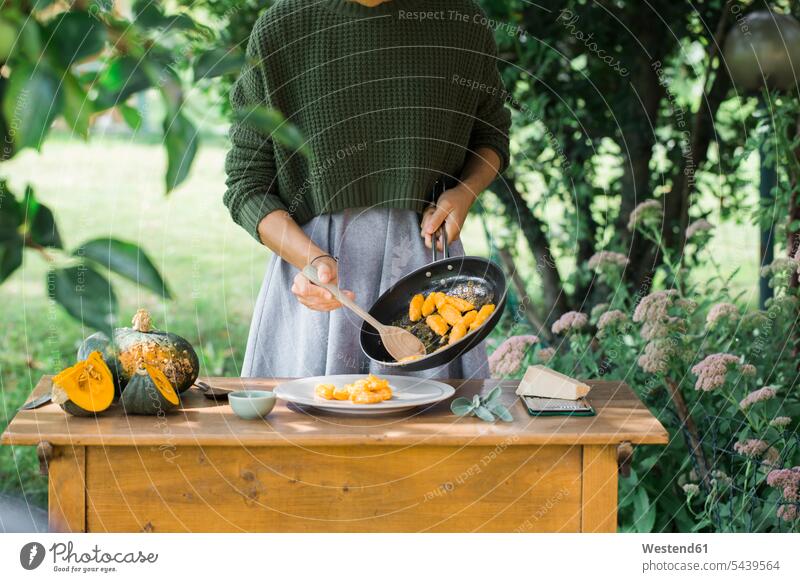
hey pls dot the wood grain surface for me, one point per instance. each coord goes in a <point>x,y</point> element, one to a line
<point>66,490</point>
<point>202,422</point>
<point>344,489</point>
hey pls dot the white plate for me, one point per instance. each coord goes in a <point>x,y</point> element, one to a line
<point>407,392</point>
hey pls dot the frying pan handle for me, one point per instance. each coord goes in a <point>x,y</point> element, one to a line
<point>440,234</point>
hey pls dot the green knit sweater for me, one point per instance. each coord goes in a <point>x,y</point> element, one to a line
<point>389,98</point>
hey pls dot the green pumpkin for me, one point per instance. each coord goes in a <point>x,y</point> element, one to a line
<point>141,345</point>
<point>100,342</point>
<point>149,392</point>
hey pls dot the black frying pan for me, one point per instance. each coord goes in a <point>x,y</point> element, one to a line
<point>476,279</point>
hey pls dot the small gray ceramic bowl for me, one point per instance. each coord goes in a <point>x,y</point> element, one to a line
<point>252,404</point>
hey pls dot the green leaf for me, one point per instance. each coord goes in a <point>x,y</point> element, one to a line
<point>86,295</point>
<point>77,106</point>
<point>8,38</point>
<point>40,224</point>
<point>150,16</point>
<point>11,214</point>
<point>130,115</point>
<point>493,395</point>
<point>218,62</point>
<point>40,4</point>
<point>31,103</point>
<point>75,36</point>
<point>272,123</point>
<point>484,414</point>
<point>180,139</point>
<point>10,257</point>
<point>125,259</point>
<point>461,406</point>
<point>501,412</point>
<point>122,78</point>
<point>26,40</point>
<point>644,513</point>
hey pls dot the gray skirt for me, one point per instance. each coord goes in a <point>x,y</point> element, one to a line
<point>376,247</point>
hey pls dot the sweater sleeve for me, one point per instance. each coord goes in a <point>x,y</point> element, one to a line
<point>493,119</point>
<point>250,164</point>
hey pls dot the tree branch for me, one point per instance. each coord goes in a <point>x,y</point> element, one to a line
<point>533,230</point>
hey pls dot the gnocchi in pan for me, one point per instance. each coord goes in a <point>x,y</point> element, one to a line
<point>449,317</point>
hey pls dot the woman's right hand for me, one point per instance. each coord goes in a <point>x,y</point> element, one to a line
<point>315,297</point>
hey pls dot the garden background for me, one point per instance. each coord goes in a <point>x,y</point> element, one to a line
<point>654,146</point>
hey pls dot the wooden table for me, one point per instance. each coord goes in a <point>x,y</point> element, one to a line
<point>202,469</point>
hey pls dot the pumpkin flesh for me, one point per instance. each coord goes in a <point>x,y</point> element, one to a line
<point>163,385</point>
<point>85,388</point>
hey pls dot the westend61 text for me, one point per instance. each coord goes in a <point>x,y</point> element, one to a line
<point>671,549</point>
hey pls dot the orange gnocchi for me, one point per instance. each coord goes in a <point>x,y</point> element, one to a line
<point>369,390</point>
<point>450,314</point>
<point>459,330</point>
<point>482,316</point>
<point>415,307</point>
<point>437,323</point>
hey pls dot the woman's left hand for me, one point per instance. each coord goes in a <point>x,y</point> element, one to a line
<point>451,209</point>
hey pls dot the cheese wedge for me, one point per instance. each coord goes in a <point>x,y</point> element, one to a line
<point>546,383</point>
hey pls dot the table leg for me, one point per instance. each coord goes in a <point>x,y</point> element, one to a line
<point>67,489</point>
<point>599,489</point>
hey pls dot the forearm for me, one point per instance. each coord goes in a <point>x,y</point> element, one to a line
<point>282,235</point>
<point>479,171</point>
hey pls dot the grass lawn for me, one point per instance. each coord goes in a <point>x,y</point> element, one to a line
<point>109,187</point>
<point>115,188</point>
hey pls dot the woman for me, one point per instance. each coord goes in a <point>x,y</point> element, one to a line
<point>391,95</point>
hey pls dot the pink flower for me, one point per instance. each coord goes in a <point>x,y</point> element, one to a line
<point>788,482</point>
<point>711,372</point>
<point>787,512</point>
<point>546,354</point>
<point>691,489</point>
<point>701,225</point>
<point>722,311</point>
<point>760,395</point>
<point>757,449</point>
<point>648,212</point>
<point>780,422</point>
<point>609,318</point>
<point>570,321</point>
<point>655,357</point>
<point>747,370</point>
<point>599,310</point>
<point>507,358</point>
<point>654,307</point>
<point>604,259</point>
<point>781,267</point>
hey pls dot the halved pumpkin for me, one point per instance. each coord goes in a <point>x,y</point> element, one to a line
<point>86,388</point>
<point>149,391</point>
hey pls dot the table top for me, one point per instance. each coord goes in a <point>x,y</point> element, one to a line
<point>621,416</point>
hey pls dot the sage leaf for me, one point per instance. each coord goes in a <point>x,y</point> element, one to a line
<point>484,414</point>
<point>493,395</point>
<point>501,412</point>
<point>461,406</point>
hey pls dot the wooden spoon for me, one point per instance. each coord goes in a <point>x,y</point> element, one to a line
<point>400,344</point>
